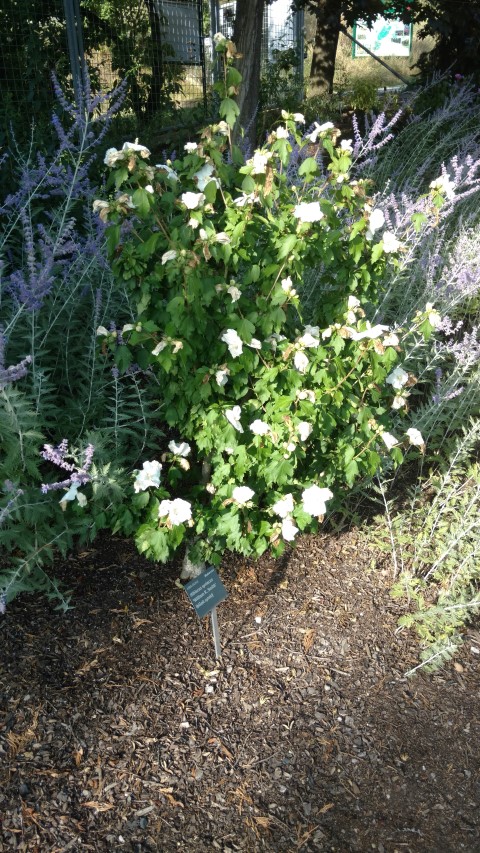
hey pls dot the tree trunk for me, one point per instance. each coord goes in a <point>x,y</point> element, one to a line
<point>325,47</point>
<point>156,94</point>
<point>247,36</point>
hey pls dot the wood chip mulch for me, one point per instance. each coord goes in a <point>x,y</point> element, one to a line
<point>119,731</point>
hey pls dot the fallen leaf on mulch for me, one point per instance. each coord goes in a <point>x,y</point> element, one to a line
<point>100,807</point>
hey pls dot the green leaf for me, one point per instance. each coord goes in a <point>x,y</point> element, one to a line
<point>233,77</point>
<point>141,201</point>
<point>248,184</point>
<point>211,191</point>
<point>123,358</point>
<point>113,239</point>
<point>377,252</point>
<point>287,245</point>
<point>121,175</point>
<point>351,471</point>
<point>308,167</point>
<point>229,110</point>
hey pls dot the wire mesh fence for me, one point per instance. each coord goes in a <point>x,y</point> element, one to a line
<point>163,48</point>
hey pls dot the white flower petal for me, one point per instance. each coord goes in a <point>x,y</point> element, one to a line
<point>314,499</point>
<point>242,494</point>
<point>289,531</point>
<point>233,417</point>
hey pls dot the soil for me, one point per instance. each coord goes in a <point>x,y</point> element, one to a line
<point>120,731</point>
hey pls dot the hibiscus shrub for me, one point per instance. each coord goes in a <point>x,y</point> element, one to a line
<point>270,418</point>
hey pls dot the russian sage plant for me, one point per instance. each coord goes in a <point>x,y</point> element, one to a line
<point>56,287</point>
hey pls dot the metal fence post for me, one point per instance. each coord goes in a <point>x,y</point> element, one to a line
<point>75,49</point>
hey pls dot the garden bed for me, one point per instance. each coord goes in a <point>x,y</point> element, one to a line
<point>120,731</point>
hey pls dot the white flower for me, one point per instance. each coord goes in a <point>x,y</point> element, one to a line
<point>415,437</point>
<point>159,348</point>
<point>314,499</point>
<point>300,361</point>
<point>346,145</point>
<point>242,494</point>
<point>210,488</point>
<point>353,303</point>
<point>290,447</point>
<point>234,292</point>
<point>193,223</point>
<point>233,341</point>
<point>149,189</point>
<point>371,334</point>
<point>203,234</point>
<point>445,185</point>
<point>255,344</point>
<point>148,476</point>
<point>390,242</point>
<point>319,128</point>
<point>221,376</point>
<point>233,417</point>
<point>190,146</point>
<point>376,220</point>
<point>259,427</point>
<point>192,200</point>
<point>289,531</point>
<point>304,429</point>
<point>397,378</point>
<point>308,212</point>
<point>391,340</point>
<point>327,333</point>
<point>299,118</point>
<point>259,162</point>
<point>282,132</point>
<point>389,439</point>
<point>284,506</point>
<point>287,286</point>
<point>309,341</point>
<point>178,511</point>
<point>306,394</point>
<point>219,38</point>
<point>99,205</point>
<point>182,449</point>
<point>139,149</point>
<point>102,331</point>
<point>312,330</point>
<point>171,173</point>
<point>433,316</point>
<point>169,256</point>
<point>204,175</point>
<point>71,495</point>
<point>399,402</point>
<point>112,155</point>
<point>222,237</point>
<point>245,198</point>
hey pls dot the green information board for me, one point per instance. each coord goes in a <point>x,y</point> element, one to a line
<point>386,37</point>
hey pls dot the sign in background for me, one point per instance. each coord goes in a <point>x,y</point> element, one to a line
<point>384,38</point>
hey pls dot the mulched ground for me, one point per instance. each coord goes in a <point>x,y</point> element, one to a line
<point>119,731</point>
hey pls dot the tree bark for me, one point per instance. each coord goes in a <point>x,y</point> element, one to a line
<point>328,14</point>
<point>156,94</point>
<point>247,36</point>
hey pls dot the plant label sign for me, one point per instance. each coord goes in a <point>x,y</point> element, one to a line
<point>205,592</point>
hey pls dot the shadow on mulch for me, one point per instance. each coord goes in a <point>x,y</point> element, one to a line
<point>120,732</point>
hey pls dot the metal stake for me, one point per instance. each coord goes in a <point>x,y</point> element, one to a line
<point>216,632</point>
